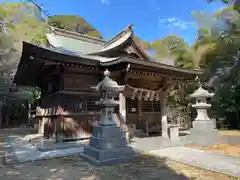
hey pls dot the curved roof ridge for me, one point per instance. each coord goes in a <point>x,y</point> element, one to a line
<point>77,34</point>
<point>127,30</point>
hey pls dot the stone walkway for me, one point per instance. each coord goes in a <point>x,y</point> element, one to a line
<point>153,143</point>
<point>209,160</point>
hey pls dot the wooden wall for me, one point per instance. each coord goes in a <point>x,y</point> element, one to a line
<point>79,81</point>
<point>73,115</point>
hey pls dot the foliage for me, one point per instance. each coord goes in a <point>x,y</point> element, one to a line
<point>23,22</point>
<point>73,23</point>
<point>143,44</point>
<point>214,52</point>
<point>23,25</point>
<point>222,64</point>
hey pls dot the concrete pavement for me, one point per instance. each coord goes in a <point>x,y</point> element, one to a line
<point>209,160</point>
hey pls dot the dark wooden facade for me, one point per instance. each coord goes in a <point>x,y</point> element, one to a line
<point>68,107</point>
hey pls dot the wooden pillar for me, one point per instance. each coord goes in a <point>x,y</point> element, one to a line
<point>29,113</point>
<point>164,115</point>
<point>60,108</point>
<point>42,124</point>
<point>139,119</point>
<point>39,114</point>
<point>123,116</point>
<point>122,107</point>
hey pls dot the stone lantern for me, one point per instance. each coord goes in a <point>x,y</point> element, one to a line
<point>108,145</point>
<point>201,104</point>
<point>204,130</point>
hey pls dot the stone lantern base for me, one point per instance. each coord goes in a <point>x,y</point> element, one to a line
<point>204,132</point>
<point>108,146</point>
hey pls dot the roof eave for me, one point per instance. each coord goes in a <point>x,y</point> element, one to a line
<point>153,65</point>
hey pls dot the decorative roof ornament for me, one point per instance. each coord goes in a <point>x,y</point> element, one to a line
<point>197,79</point>
<point>129,27</point>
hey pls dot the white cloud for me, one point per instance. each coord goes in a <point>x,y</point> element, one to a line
<point>174,22</point>
<point>105,1</point>
<point>172,19</point>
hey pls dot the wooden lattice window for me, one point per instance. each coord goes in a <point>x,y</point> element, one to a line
<point>151,106</point>
<point>91,104</point>
<point>146,106</point>
<point>156,106</point>
<point>131,105</point>
<point>79,107</point>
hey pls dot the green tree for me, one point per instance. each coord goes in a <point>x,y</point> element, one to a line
<point>224,62</point>
<point>73,23</point>
<point>22,22</point>
<point>143,44</point>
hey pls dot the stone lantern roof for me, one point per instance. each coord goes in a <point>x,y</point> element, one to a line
<point>109,85</point>
<point>201,93</point>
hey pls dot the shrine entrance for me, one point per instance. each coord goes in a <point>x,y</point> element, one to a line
<point>144,115</point>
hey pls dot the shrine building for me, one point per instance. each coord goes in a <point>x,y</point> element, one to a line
<point>71,63</point>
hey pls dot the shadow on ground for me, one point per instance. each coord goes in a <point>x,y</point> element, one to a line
<point>145,167</point>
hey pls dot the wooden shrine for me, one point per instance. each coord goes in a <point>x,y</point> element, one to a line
<point>66,69</point>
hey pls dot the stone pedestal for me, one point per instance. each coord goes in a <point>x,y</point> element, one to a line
<point>204,132</point>
<point>108,146</point>
<point>203,137</point>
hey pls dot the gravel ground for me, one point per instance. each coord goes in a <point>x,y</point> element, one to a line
<point>72,168</point>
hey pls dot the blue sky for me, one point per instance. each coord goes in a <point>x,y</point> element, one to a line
<point>152,19</point>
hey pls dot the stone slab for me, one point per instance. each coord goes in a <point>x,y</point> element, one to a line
<point>18,151</point>
<point>25,156</point>
<point>209,160</point>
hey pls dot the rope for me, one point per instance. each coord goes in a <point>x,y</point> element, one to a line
<point>142,89</point>
<point>149,94</point>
